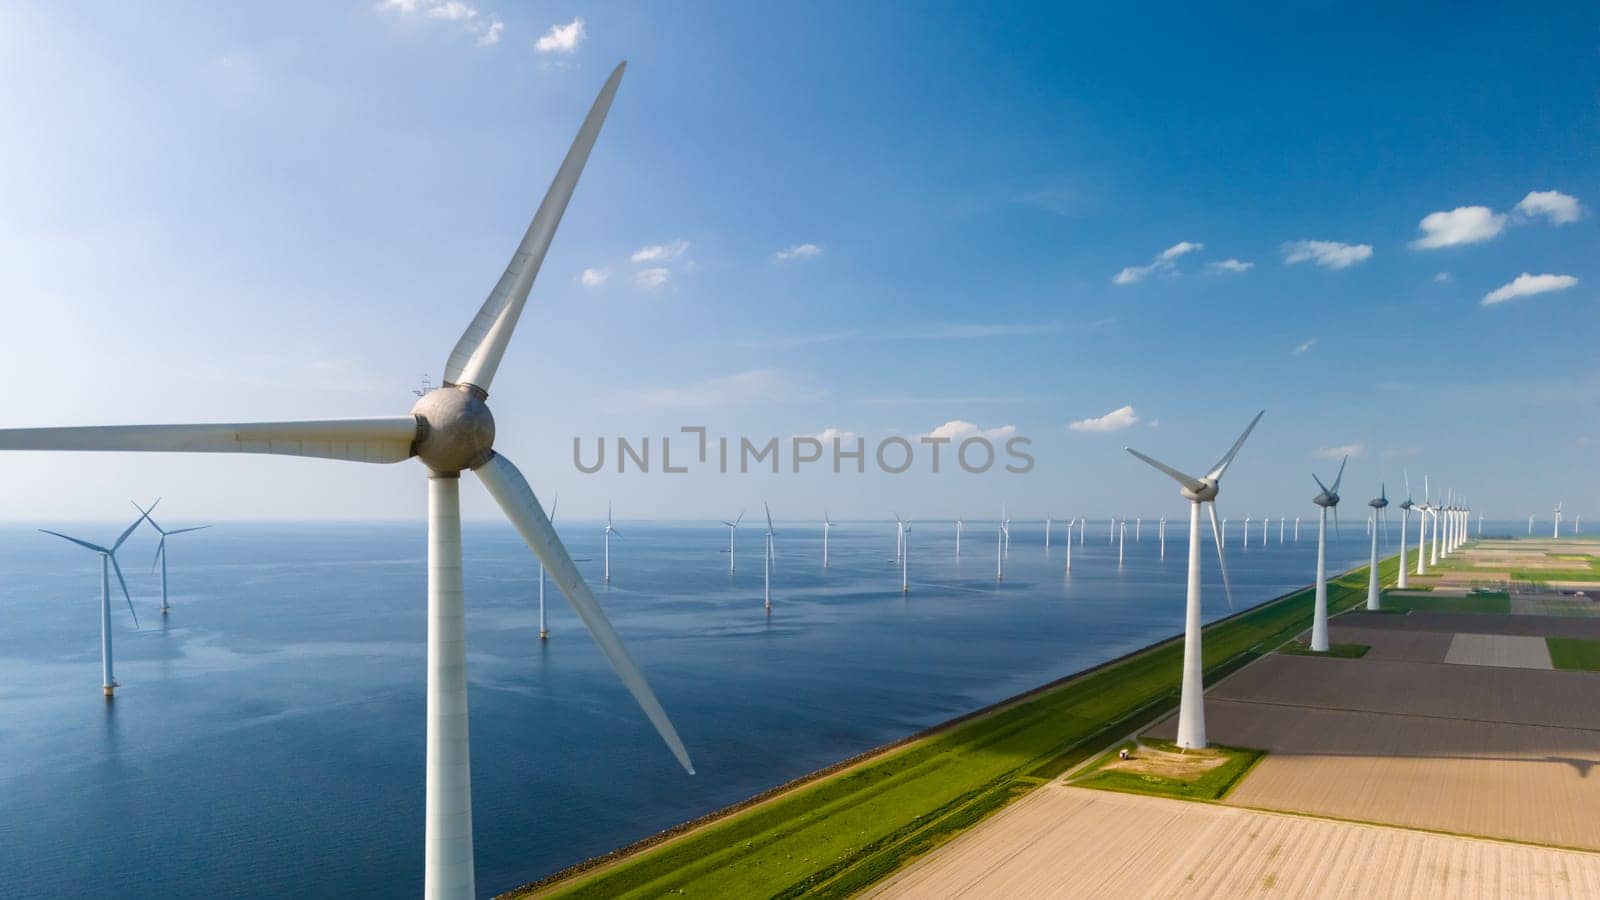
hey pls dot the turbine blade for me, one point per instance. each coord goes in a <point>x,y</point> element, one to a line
<point>1188,481</point>
<point>95,547</point>
<point>1227,458</point>
<point>769,517</point>
<point>1222,559</point>
<point>555,500</point>
<point>477,354</point>
<point>160,548</point>
<point>511,491</point>
<point>147,512</point>
<point>1320,484</point>
<point>125,595</point>
<point>380,440</point>
<point>127,531</point>
<point>740,517</point>
<point>1340,476</point>
<point>1407,476</point>
<point>187,530</point>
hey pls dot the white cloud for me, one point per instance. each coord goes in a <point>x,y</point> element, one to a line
<point>1328,254</point>
<point>1442,278</point>
<point>765,386</point>
<point>1231,265</point>
<point>1526,285</point>
<point>659,253</point>
<point>451,11</point>
<point>1555,206</point>
<point>1462,225</point>
<point>827,435</point>
<point>1165,263</point>
<point>561,38</point>
<point>1340,452</point>
<point>1116,420</point>
<point>1305,345</point>
<point>652,278</point>
<point>593,278</point>
<point>492,35</point>
<point>958,430</point>
<point>469,17</point>
<point>798,251</point>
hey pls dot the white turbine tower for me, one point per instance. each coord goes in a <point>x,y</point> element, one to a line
<point>608,533</point>
<point>1246,533</point>
<point>1122,541</point>
<point>1530,524</point>
<point>1083,529</point>
<point>544,630</point>
<point>733,528</point>
<point>1161,531</point>
<point>1328,499</point>
<point>1138,522</point>
<point>827,524</point>
<point>1280,530</point>
<point>1405,516</point>
<point>161,547</point>
<point>1198,491</point>
<point>451,430</point>
<point>1047,535</point>
<point>1297,529</point>
<point>1423,511</point>
<point>1000,536</point>
<point>905,562</point>
<point>1377,503</point>
<point>1070,523</point>
<point>770,559</point>
<point>1222,539</point>
<point>1557,532</point>
<point>108,564</point>
<point>1264,523</point>
<point>1480,525</point>
<point>959,526</point>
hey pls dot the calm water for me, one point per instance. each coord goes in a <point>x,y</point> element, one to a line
<point>268,734</point>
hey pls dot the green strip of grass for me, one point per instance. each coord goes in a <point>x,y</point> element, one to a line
<point>1212,785</point>
<point>1340,651</point>
<point>1495,604</point>
<point>1576,654</point>
<point>843,831</point>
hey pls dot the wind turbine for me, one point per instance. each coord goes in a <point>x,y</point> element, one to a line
<point>899,538</point>
<point>1191,702</point>
<point>108,564</point>
<point>1122,541</point>
<point>1480,525</point>
<point>161,548</point>
<point>959,525</point>
<point>1328,499</point>
<point>1223,538</point>
<point>1070,523</point>
<point>1161,530</point>
<point>1246,532</point>
<point>1405,515</point>
<point>544,630</point>
<point>905,562</point>
<point>1280,530</point>
<point>608,533</point>
<point>1377,503</point>
<point>733,528</point>
<point>1138,522</point>
<point>770,555</point>
<point>1264,523</point>
<point>826,525</point>
<point>1557,532</point>
<point>1423,511</point>
<point>1297,529</point>
<point>451,430</point>
<point>1047,535</point>
<point>1000,547</point>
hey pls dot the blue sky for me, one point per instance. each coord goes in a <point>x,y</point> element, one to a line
<point>291,210</point>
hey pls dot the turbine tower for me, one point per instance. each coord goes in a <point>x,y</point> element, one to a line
<point>1047,535</point>
<point>770,558</point>
<point>1000,547</point>
<point>826,525</point>
<point>1198,491</point>
<point>1138,522</point>
<point>1122,541</point>
<point>108,564</point>
<point>905,561</point>
<point>161,547</point>
<point>1556,534</point>
<point>1297,529</point>
<point>451,430</point>
<point>1246,545</point>
<point>1377,503</point>
<point>1161,531</point>
<point>1405,515</point>
<point>1070,523</point>
<point>960,525</point>
<point>608,533</point>
<point>1328,499</point>
<point>733,528</point>
<point>1530,524</point>
<point>544,630</point>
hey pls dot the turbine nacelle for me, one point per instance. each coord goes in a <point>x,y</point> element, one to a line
<point>1326,499</point>
<point>455,430</point>
<point>1204,490</point>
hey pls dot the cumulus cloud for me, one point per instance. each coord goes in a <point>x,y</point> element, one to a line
<point>958,430</point>
<point>1526,285</point>
<point>1441,278</point>
<point>561,38</point>
<point>1116,420</point>
<point>463,14</point>
<point>1164,263</point>
<point>1554,206</point>
<point>652,278</point>
<point>1305,345</point>
<point>492,34</point>
<point>659,253</point>
<point>1231,265</point>
<point>1339,452</point>
<point>1462,225</point>
<point>798,251</point>
<point>592,278</point>
<point>827,435</point>
<point>1328,254</point>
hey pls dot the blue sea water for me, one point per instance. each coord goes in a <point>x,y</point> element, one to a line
<point>268,736</point>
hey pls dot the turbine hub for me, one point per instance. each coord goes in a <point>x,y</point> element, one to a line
<point>1206,492</point>
<point>457,429</point>
<point>1326,499</point>
<point>1378,503</point>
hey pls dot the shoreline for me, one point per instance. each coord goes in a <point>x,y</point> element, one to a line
<point>666,836</point>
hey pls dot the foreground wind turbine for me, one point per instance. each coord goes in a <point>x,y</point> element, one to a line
<point>1328,499</point>
<point>733,528</point>
<point>608,533</point>
<point>1198,491</point>
<point>161,547</point>
<point>1377,503</point>
<point>766,589</point>
<point>108,564</point>
<point>451,430</point>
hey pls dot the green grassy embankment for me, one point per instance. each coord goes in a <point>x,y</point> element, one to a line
<point>1576,654</point>
<point>1340,651</point>
<point>1212,784</point>
<point>838,833</point>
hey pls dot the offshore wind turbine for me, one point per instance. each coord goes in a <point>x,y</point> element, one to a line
<point>161,547</point>
<point>1328,499</point>
<point>1046,534</point>
<point>766,582</point>
<point>108,564</point>
<point>608,533</point>
<point>1070,523</point>
<point>1247,532</point>
<point>1530,524</point>
<point>451,430</point>
<point>1377,503</point>
<point>905,561</point>
<point>1198,491</point>
<point>1297,529</point>
<point>1280,530</point>
<point>733,528</point>
<point>1557,532</point>
<point>1122,541</point>
<point>544,630</point>
<point>1137,522</point>
<point>959,525</point>
<point>826,525</point>
<point>1264,523</point>
<point>899,537</point>
<point>1000,548</point>
<point>1161,531</point>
